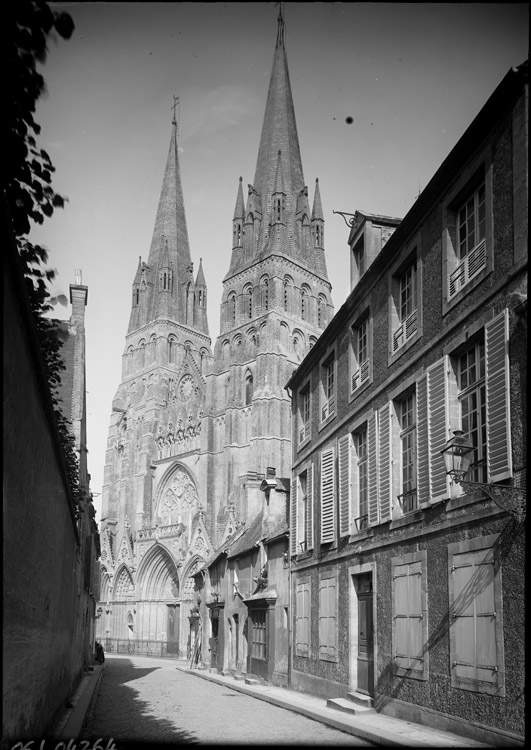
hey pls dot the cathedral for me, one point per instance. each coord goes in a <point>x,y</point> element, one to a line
<point>194,427</point>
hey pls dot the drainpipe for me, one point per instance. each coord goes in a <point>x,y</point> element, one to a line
<point>290,649</point>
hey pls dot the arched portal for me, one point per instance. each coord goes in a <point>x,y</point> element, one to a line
<point>121,599</point>
<point>158,598</point>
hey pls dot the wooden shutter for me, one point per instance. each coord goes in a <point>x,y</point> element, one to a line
<point>408,617</point>
<point>473,616</point>
<point>345,478</point>
<point>438,431</point>
<point>499,454</point>
<point>327,618</point>
<point>293,517</point>
<point>423,453</point>
<point>372,473</point>
<point>302,619</point>
<point>384,462</point>
<point>309,514</point>
<point>327,495</point>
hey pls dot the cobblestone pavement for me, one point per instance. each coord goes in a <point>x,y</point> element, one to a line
<point>143,700</point>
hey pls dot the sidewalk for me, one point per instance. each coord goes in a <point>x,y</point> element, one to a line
<point>71,723</point>
<point>377,728</point>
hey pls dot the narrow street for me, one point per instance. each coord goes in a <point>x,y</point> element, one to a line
<point>142,700</point>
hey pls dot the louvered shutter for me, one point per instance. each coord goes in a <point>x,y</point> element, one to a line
<point>408,643</point>
<point>473,623</point>
<point>372,450</point>
<point>384,462</point>
<point>309,508</point>
<point>499,455</point>
<point>423,453</point>
<point>302,619</point>
<point>415,616</point>
<point>401,621</point>
<point>327,618</point>
<point>344,460</point>
<point>438,431</point>
<point>293,517</point>
<point>327,495</point>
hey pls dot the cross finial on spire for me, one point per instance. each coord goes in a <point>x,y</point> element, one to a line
<point>174,107</point>
<point>280,34</point>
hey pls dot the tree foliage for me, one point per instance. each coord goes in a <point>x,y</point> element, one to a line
<point>26,176</point>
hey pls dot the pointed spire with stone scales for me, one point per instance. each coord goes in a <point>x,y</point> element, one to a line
<point>278,154</point>
<point>167,272</point>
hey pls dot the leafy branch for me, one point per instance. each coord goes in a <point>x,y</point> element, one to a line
<point>26,180</point>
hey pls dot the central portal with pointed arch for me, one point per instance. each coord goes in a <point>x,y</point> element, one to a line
<point>158,598</point>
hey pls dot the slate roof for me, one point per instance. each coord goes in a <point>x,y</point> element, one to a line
<point>249,539</point>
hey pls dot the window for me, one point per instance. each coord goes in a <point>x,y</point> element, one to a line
<point>404,307</point>
<point>328,400</point>
<point>407,435</point>
<point>328,492</point>
<point>305,303</point>
<point>468,390</point>
<point>232,307</point>
<point>288,285</point>
<point>249,293</point>
<point>301,523</point>
<point>258,633</point>
<point>321,311</point>
<point>248,388</point>
<point>361,369</point>
<point>410,621</point>
<point>142,354</point>
<point>471,254</point>
<point>476,616</point>
<point>265,293</point>
<point>302,617</point>
<point>362,474</point>
<point>470,366</point>
<point>358,253</point>
<point>328,618</point>
<point>467,239</point>
<point>304,414</point>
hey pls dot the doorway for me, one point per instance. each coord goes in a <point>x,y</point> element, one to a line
<point>363,632</point>
<point>365,665</point>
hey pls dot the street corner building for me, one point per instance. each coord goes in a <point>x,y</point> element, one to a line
<point>196,430</point>
<point>408,585</point>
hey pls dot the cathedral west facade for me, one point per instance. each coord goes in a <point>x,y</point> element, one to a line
<point>193,427</point>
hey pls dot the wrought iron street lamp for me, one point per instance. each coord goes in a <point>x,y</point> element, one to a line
<point>457,455</point>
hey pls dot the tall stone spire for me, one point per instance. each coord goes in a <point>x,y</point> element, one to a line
<point>169,259</point>
<point>279,134</point>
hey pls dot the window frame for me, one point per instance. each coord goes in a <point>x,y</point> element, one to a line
<point>327,394</point>
<point>304,425</point>
<point>398,433</point>
<point>480,172</point>
<point>362,369</point>
<point>411,324</point>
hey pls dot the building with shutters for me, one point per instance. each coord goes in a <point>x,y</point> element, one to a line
<point>194,428</point>
<point>408,589</point>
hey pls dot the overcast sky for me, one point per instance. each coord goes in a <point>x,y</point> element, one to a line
<point>412,76</point>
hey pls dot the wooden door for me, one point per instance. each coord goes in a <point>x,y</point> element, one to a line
<point>365,635</point>
<point>214,640</point>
